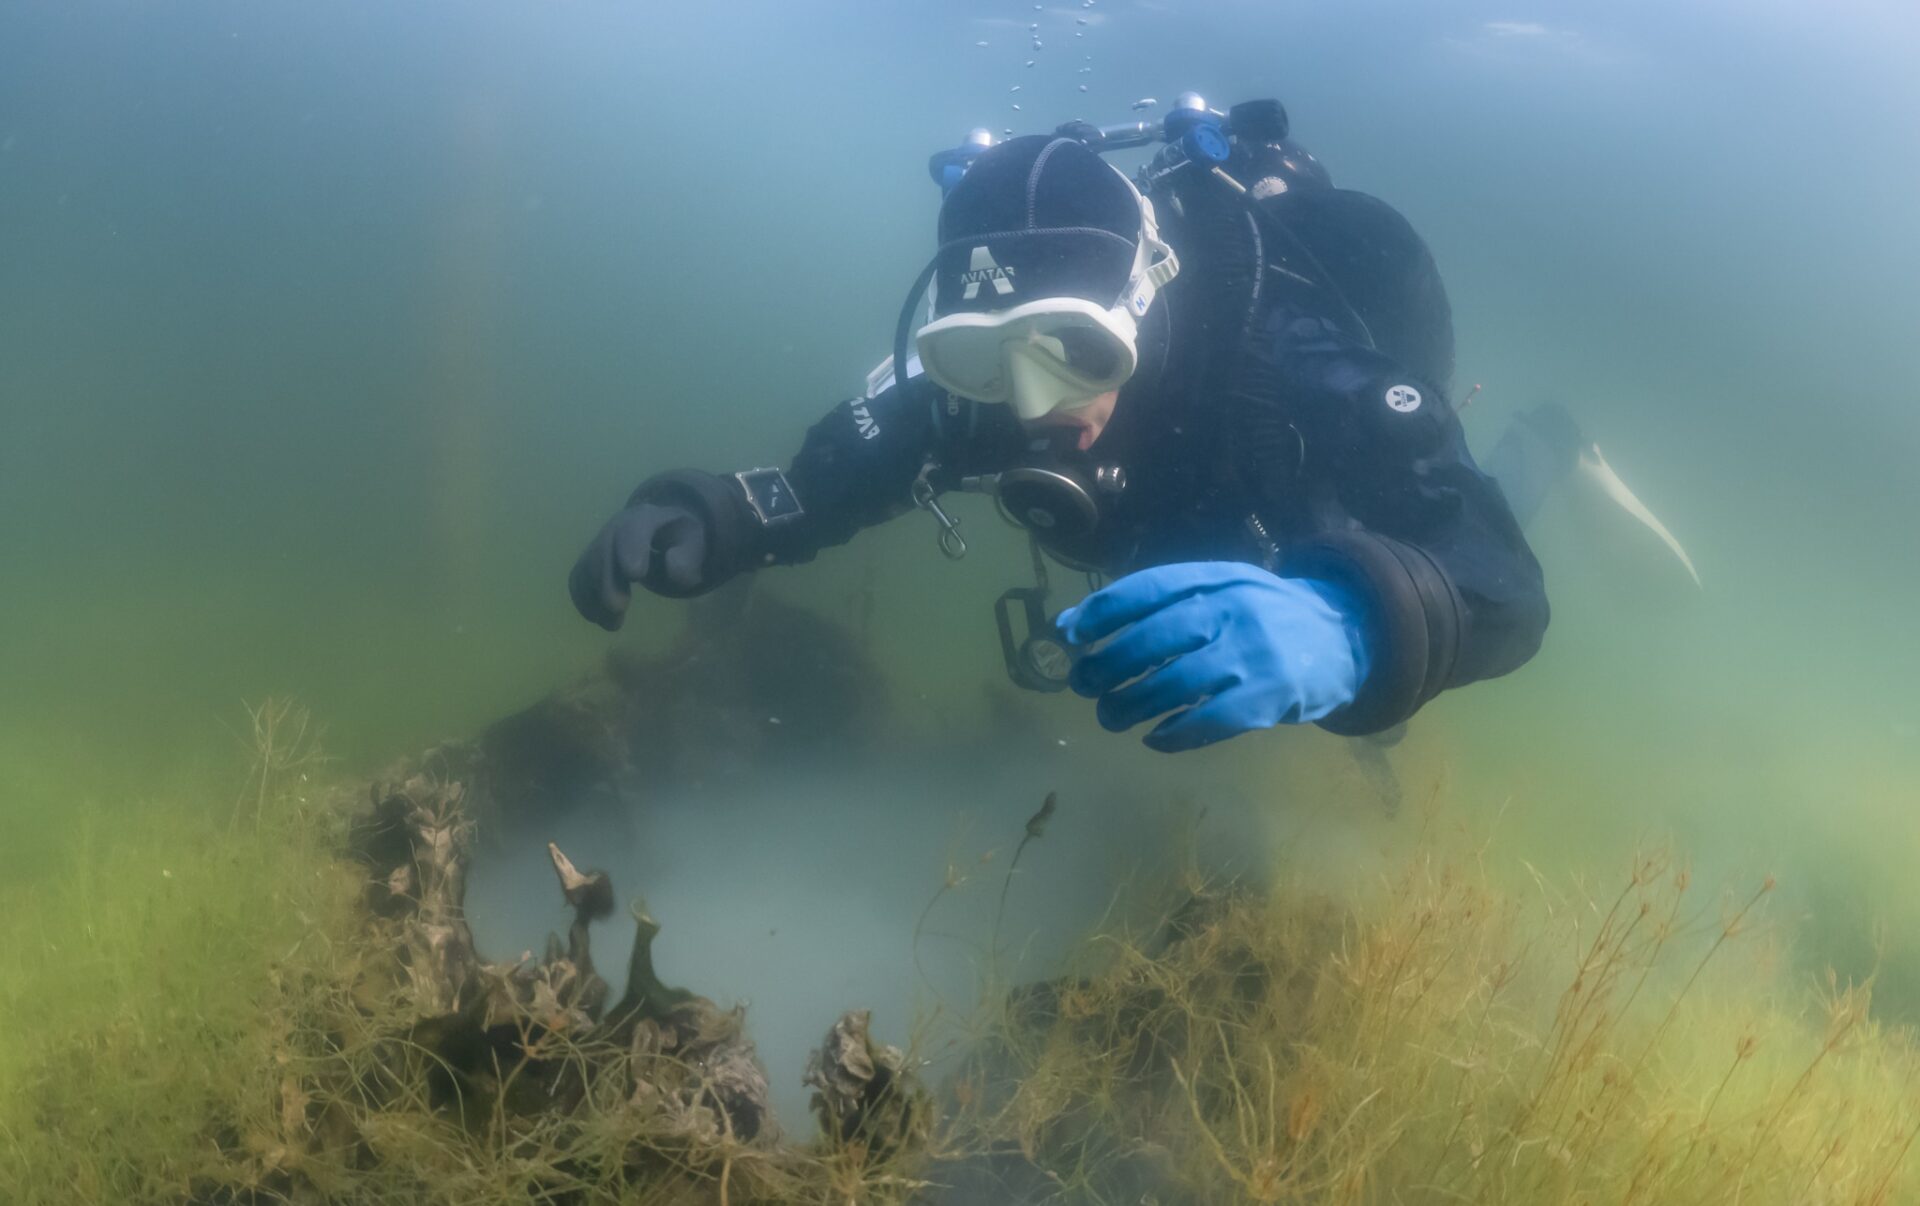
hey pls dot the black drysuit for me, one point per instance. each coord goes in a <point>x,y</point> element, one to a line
<point>1275,419</point>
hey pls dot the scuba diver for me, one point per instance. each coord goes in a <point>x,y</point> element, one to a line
<point>1222,386</point>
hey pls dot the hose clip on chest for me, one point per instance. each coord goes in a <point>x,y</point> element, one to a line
<point>952,545</point>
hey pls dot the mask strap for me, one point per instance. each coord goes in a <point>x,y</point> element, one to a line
<point>1163,265</point>
<point>1154,262</point>
<point>903,329</point>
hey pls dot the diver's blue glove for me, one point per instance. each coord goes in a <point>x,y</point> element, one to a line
<point>1232,645</point>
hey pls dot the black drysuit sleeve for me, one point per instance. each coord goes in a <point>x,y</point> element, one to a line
<point>854,469</point>
<point>1403,515</point>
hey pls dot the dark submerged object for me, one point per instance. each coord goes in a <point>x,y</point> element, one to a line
<point>750,682</point>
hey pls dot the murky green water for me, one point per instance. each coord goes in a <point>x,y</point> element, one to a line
<point>328,334</point>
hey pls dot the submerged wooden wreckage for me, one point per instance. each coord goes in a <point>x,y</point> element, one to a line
<point>538,1037</point>
<point>425,1070</point>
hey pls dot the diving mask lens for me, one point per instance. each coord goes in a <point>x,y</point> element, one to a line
<point>1039,357</point>
<point>1089,354</point>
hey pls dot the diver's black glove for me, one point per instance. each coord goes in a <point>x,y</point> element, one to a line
<point>662,547</point>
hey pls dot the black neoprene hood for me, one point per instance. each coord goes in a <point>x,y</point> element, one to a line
<point>1054,220</point>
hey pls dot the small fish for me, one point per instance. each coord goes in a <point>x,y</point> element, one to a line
<point>1146,102</point>
<point>1079,20</point>
<point>979,43</point>
<point>1016,88</point>
<point>1037,823</point>
<point>1083,87</point>
<point>1029,62</point>
<point>1016,109</point>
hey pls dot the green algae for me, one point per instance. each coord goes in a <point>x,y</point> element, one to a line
<point>222,1013</point>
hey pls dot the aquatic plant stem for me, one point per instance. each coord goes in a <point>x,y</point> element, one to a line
<point>1843,1018</point>
<point>1727,931</point>
<point>1879,1193</point>
<point>919,925</point>
<point>1036,827</point>
<point>1000,909</point>
<point>1597,1127</point>
<point>1206,1132</point>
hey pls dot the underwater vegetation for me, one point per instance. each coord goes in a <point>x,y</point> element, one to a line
<point>300,1014</point>
<point>286,1006</point>
<point>1437,1043</point>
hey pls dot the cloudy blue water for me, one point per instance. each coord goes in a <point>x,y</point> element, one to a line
<point>328,333</point>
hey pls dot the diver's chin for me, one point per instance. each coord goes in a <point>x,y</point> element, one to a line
<point>1084,433</point>
<point>1086,428</point>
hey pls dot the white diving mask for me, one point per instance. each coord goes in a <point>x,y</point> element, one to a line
<point>1054,353</point>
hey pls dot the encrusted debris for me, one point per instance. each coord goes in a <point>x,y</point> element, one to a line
<point>532,1035</point>
<point>863,1090</point>
<point>542,1028</point>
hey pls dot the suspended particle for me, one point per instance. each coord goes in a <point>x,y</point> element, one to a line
<point>1079,20</point>
<point>1015,88</point>
<point>1029,62</point>
<point>1009,131</point>
<point>1033,25</point>
<point>1079,33</point>
<point>1083,87</point>
<point>979,43</point>
<point>1016,108</point>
